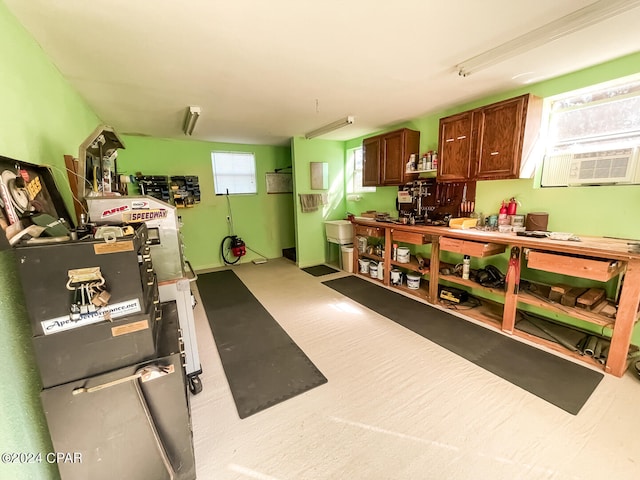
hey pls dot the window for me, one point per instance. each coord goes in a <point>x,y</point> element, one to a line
<point>234,173</point>
<point>355,166</point>
<point>593,135</point>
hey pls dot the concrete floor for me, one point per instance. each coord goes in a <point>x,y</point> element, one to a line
<point>397,406</point>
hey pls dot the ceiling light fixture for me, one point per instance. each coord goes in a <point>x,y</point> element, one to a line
<point>330,127</point>
<point>582,18</point>
<point>190,120</point>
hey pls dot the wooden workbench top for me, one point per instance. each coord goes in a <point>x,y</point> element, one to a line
<point>588,246</point>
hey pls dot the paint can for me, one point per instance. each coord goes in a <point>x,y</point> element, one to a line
<point>413,281</point>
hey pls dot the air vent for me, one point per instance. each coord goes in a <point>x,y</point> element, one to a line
<point>600,167</point>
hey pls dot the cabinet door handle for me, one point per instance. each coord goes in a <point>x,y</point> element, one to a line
<point>449,140</point>
<point>494,153</point>
<point>150,372</point>
<point>462,137</point>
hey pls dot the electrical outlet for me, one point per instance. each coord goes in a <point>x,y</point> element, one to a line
<point>228,218</point>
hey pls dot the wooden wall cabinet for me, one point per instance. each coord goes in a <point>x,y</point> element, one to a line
<point>385,157</point>
<point>455,148</point>
<point>371,162</point>
<point>489,143</point>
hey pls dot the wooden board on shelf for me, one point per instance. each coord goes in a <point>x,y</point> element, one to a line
<point>422,292</point>
<point>471,284</point>
<point>581,314</point>
<point>488,312</point>
<point>556,347</point>
<point>372,256</point>
<point>413,265</point>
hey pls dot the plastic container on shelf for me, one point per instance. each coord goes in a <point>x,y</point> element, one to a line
<point>413,281</point>
<point>364,264</point>
<point>373,270</point>
<point>403,255</point>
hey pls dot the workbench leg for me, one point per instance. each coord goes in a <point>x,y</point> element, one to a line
<point>511,298</point>
<point>625,320</point>
<point>434,269</point>
<point>387,256</point>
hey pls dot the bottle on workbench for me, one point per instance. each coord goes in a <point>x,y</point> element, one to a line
<point>503,218</point>
<point>466,266</point>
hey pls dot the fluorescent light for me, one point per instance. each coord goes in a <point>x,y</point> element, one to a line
<point>582,18</point>
<point>190,119</point>
<point>330,127</point>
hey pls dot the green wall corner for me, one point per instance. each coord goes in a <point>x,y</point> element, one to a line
<point>311,246</point>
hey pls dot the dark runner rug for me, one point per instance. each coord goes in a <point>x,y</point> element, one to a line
<point>262,363</point>
<point>556,380</point>
<point>319,270</point>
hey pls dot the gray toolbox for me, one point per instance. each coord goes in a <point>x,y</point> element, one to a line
<point>45,273</point>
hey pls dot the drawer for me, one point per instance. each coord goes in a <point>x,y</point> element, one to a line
<point>410,237</point>
<point>584,267</point>
<point>474,249</point>
<point>369,231</point>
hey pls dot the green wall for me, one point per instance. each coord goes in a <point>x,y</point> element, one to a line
<point>42,118</point>
<point>264,221</point>
<point>311,247</point>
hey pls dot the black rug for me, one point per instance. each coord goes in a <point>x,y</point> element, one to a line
<point>558,381</point>
<point>319,270</point>
<point>261,362</point>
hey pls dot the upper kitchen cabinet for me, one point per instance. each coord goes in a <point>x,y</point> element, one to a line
<point>455,148</point>
<point>506,133</point>
<point>371,162</point>
<point>489,143</point>
<point>386,156</point>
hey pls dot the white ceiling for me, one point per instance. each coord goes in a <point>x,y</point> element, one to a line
<point>265,71</point>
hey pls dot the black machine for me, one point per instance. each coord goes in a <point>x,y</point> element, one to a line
<point>426,202</point>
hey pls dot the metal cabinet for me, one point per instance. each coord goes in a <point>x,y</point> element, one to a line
<point>132,422</point>
<point>115,386</point>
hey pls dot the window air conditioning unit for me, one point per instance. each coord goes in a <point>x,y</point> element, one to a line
<point>600,167</point>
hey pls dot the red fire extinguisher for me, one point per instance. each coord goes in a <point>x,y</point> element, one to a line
<point>512,207</point>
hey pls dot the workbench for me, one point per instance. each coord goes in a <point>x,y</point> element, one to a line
<point>595,258</point>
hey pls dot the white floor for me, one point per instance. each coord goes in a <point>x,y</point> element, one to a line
<point>397,406</point>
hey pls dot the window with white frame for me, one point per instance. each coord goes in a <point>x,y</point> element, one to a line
<point>234,173</point>
<point>355,167</point>
<point>593,136</point>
